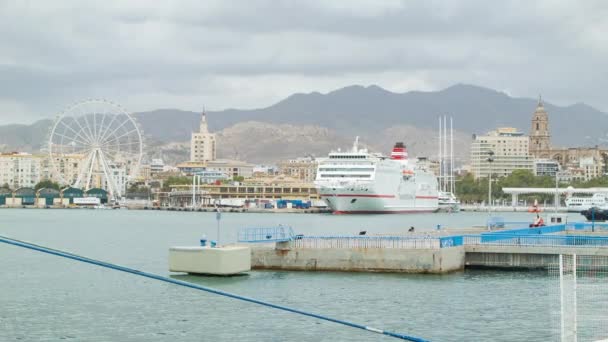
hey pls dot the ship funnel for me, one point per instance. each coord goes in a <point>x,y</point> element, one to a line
<point>399,152</point>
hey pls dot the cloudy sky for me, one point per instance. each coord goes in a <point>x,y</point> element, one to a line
<point>244,54</point>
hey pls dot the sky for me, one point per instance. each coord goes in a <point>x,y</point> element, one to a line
<point>188,55</point>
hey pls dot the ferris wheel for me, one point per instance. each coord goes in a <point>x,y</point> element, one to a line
<point>96,144</point>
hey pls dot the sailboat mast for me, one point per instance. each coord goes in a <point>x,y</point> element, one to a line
<point>452,180</point>
<point>445,153</point>
<point>440,158</point>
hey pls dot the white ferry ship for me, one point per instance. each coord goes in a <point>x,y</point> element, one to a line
<point>361,182</point>
<point>578,204</point>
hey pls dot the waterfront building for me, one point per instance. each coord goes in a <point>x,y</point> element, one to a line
<point>231,168</point>
<point>144,173</point>
<point>510,150</point>
<point>541,148</point>
<point>20,170</point>
<point>68,168</point>
<point>264,189</point>
<point>304,169</point>
<point>546,167</point>
<point>202,144</point>
<point>208,177</point>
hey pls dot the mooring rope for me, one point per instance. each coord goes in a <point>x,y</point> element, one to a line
<point>80,258</point>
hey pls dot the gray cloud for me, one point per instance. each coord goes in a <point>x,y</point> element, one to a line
<point>247,54</point>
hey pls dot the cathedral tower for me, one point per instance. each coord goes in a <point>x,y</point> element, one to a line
<point>539,134</point>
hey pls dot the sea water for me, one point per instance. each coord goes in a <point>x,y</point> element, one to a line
<point>47,298</point>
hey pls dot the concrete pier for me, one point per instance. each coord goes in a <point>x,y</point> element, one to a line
<point>523,257</point>
<point>432,260</point>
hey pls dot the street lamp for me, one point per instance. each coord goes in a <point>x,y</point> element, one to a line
<point>556,198</point>
<point>490,160</point>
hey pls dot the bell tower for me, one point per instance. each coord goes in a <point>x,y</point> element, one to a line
<point>539,134</point>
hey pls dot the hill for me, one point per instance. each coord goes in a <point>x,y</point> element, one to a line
<point>312,123</point>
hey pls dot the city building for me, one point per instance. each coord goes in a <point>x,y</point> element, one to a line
<point>231,168</point>
<point>428,165</point>
<point>157,166</point>
<point>20,170</point>
<point>304,169</point>
<point>68,168</point>
<point>507,149</point>
<point>202,144</point>
<point>267,188</point>
<point>541,148</point>
<point>265,170</point>
<point>546,167</point>
<point>208,177</point>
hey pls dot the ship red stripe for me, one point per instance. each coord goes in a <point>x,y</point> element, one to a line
<point>374,196</point>
<point>360,195</point>
<point>341,212</point>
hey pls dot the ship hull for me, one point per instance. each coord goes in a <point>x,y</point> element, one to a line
<point>379,204</point>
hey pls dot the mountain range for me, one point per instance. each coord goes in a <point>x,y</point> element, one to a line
<point>313,123</point>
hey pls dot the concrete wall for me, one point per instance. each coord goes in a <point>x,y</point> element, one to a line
<point>13,202</point>
<point>523,256</point>
<point>360,259</point>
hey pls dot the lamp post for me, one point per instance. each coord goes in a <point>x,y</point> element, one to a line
<point>490,160</point>
<point>556,198</point>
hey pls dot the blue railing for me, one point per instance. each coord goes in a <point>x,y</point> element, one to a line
<point>536,240</point>
<point>450,241</point>
<point>266,234</point>
<point>587,226</point>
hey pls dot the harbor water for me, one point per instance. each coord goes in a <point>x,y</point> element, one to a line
<point>46,298</point>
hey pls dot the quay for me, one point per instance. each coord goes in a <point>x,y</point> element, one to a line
<point>524,248</point>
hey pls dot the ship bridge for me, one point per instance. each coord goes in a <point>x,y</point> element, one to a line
<point>514,192</point>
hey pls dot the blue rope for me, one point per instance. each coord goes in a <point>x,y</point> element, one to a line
<point>199,287</point>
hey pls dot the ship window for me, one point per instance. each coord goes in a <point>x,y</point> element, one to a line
<point>353,200</point>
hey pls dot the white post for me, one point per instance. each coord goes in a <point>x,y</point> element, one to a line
<point>561,296</point>
<point>218,217</point>
<point>193,190</point>
<point>490,188</point>
<point>574,308</point>
<point>556,197</point>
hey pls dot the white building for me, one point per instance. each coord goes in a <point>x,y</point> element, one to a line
<point>304,169</point>
<point>20,170</point>
<point>157,166</point>
<point>546,167</point>
<point>68,168</point>
<point>506,147</point>
<point>590,168</point>
<point>202,144</point>
<point>231,168</point>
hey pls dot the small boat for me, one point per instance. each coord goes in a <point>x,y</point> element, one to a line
<point>448,202</point>
<point>101,206</point>
<point>595,214</point>
<point>535,208</point>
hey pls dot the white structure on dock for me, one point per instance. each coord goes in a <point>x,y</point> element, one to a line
<point>228,260</point>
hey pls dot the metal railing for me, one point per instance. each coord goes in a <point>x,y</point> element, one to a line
<point>535,240</point>
<point>598,226</point>
<point>266,234</point>
<point>394,242</point>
